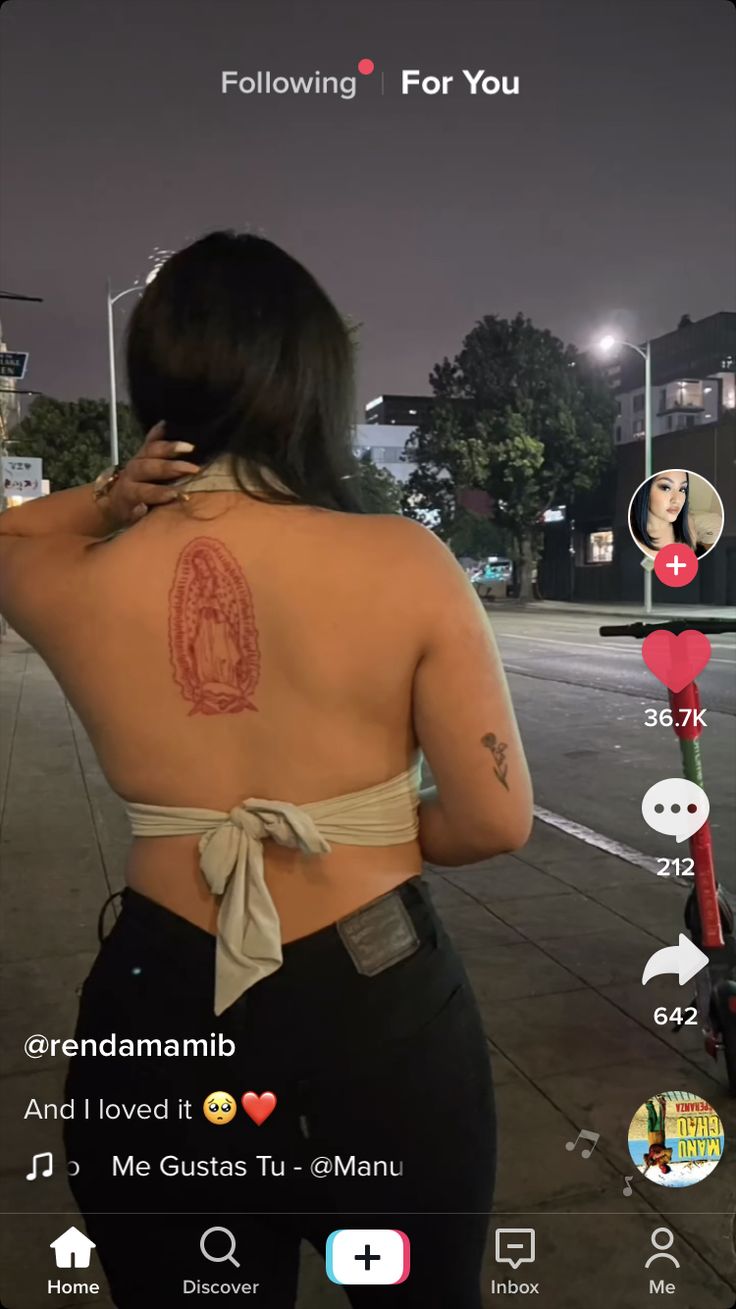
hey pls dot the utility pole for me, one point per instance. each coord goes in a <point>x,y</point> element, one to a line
<point>3,498</point>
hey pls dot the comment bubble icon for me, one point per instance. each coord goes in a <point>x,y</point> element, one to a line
<point>515,1246</point>
<point>675,807</point>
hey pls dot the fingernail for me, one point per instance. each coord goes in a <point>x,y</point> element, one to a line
<point>183,447</point>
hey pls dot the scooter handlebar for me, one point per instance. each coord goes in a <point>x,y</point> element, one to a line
<point>711,626</point>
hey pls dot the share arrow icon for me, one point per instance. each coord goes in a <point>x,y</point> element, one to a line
<point>684,959</point>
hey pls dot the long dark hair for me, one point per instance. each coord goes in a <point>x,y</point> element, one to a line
<point>639,514</point>
<point>240,350</point>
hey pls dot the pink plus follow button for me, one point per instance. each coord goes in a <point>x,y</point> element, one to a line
<point>675,564</point>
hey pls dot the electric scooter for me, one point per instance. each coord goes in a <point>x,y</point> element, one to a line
<point>709,918</point>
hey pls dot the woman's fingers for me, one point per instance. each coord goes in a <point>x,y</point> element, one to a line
<point>148,469</point>
<point>144,479</point>
<point>154,435</point>
<point>164,449</point>
<point>156,445</point>
<point>158,495</point>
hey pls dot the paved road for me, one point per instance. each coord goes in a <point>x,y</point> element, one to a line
<point>580,701</point>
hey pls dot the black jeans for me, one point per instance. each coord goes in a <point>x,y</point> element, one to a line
<point>387,1074</point>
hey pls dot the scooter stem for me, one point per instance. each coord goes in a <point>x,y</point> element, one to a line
<point>688,731</point>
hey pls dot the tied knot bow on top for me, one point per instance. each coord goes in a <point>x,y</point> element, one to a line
<point>258,820</point>
<point>231,859</point>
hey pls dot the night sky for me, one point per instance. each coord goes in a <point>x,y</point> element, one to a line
<point>602,194</point>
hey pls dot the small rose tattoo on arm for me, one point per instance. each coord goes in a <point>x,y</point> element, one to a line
<point>500,762</point>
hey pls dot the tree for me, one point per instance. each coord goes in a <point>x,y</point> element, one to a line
<point>379,490</point>
<point>685,321</point>
<point>72,437</point>
<point>477,536</point>
<point>518,415</point>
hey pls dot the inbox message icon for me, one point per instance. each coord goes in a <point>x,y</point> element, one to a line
<point>516,1246</point>
<point>365,1256</point>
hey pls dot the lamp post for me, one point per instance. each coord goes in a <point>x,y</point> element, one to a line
<point>111,299</point>
<point>159,257</point>
<point>605,345</point>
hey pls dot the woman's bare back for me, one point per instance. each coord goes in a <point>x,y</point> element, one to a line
<point>233,649</point>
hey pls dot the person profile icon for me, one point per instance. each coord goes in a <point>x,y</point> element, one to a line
<point>661,1248</point>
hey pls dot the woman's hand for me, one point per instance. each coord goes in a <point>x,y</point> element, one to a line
<point>142,482</point>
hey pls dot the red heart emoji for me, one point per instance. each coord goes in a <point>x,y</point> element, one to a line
<point>258,1107</point>
<point>676,660</point>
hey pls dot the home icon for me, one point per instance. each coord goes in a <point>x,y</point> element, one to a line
<point>72,1249</point>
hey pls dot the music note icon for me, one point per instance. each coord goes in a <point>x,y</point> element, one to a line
<point>585,1136</point>
<point>627,1188</point>
<point>47,1168</point>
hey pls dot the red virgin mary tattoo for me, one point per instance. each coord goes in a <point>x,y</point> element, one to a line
<point>213,639</point>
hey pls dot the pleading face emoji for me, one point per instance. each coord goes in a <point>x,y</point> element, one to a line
<point>219,1107</point>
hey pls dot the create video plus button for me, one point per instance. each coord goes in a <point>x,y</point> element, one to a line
<point>364,1256</point>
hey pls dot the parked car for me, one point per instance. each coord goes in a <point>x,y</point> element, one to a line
<point>494,579</point>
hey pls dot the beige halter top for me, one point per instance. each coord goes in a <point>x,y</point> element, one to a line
<point>231,850</point>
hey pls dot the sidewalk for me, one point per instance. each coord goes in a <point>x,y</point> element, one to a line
<point>661,613</point>
<point>554,940</point>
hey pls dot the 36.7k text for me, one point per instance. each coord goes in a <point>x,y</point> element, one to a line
<point>683,718</point>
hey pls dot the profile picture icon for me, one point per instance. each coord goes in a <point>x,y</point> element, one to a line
<point>676,507</point>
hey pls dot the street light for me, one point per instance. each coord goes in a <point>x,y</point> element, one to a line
<point>159,257</point>
<point>605,345</point>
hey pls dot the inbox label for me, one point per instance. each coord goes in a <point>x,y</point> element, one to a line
<point>367,1256</point>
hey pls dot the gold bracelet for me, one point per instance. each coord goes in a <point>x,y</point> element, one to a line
<point>104,483</point>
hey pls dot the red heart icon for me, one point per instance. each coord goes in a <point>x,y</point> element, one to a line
<point>676,660</point>
<point>258,1107</point>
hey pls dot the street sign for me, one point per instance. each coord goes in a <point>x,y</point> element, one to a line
<point>22,477</point>
<point>13,363</point>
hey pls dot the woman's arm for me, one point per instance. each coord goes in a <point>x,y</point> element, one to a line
<point>463,717</point>
<point>64,513</point>
<point>75,512</point>
<point>445,844</point>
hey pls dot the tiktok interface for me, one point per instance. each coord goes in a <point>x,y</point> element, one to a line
<point>367,886</point>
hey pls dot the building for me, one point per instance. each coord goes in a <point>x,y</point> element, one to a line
<point>693,379</point>
<point>386,444</point>
<point>589,554</point>
<point>398,410</point>
<point>10,413</point>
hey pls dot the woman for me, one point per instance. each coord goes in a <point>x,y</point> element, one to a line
<point>659,515</point>
<point>218,651</point>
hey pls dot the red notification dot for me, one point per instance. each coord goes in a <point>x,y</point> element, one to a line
<point>675,564</point>
<point>366,66</point>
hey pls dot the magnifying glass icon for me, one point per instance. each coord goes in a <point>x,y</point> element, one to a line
<point>219,1258</point>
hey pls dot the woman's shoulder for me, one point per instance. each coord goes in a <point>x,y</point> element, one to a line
<point>411,543</point>
<point>405,534</point>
